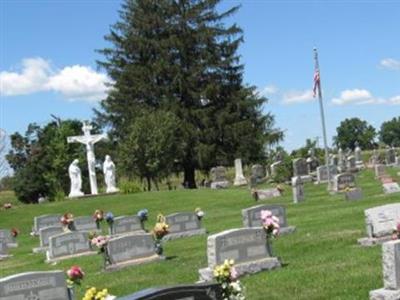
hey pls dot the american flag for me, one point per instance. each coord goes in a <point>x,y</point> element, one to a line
<point>316,82</point>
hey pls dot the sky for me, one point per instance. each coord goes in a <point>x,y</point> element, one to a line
<point>48,60</point>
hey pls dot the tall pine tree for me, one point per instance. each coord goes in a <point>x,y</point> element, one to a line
<point>178,56</point>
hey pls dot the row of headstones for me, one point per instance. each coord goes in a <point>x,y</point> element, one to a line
<point>380,222</point>
<point>245,245</point>
<point>391,159</point>
<point>52,285</point>
<point>388,184</point>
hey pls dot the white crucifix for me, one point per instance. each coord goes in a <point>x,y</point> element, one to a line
<point>89,141</point>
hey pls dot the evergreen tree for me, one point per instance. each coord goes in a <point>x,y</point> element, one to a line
<point>177,55</point>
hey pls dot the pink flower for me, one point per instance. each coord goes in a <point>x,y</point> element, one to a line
<point>233,274</point>
<point>265,214</point>
<point>75,273</point>
<point>398,227</point>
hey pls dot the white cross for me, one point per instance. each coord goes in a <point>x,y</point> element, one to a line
<point>89,141</point>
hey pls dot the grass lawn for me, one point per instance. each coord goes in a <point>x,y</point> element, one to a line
<point>322,258</point>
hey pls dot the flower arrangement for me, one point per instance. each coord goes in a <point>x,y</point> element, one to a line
<point>199,213</point>
<point>396,232</point>
<point>74,275</point>
<point>143,215</point>
<point>159,231</point>
<point>101,243</point>
<point>271,227</point>
<point>67,220</point>
<point>98,217</point>
<point>110,220</point>
<point>14,232</point>
<point>7,205</point>
<point>97,294</point>
<point>227,276</point>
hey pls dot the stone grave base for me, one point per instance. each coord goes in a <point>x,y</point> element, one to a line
<point>132,262</point>
<point>219,184</point>
<point>372,241</point>
<point>384,294</point>
<point>268,263</point>
<point>3,256</point>
<point>56,259</point>
<point>306,178</point>
<point>12,245</point>
<point>174,236</point>
<point>40,249</point>
<point>140,231</point>
<point>90,195</point>
<point>240,181</point>
<point>287,230</point>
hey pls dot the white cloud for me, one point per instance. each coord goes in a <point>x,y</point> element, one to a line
<point>268,90</point>
<point>73,82</point>
<point>298,97</point>
<point>362,96</point>
<point>390,63</point>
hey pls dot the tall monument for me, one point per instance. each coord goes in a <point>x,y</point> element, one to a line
<point>89,141</point>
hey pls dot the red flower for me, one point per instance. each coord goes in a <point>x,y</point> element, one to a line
<point>75,273</point>
<point>14,232</point>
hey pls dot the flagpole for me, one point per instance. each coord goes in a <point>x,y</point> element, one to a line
<point>321,108</point>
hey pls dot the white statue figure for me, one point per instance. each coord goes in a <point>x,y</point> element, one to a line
<point>76,179</point>
<point>89,140</point>
<point>109,174</point>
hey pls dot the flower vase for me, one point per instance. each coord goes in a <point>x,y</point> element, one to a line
<point>98,224</point>
<point>70,290</point>
<point>158,248</point>
<point>269,246</point>
<point>106,257</point>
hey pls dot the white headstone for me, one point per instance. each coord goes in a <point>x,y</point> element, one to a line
<point>297,189</point>
<point>239,178</point>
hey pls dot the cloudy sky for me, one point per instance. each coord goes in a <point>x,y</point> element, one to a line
<point>47,60</point>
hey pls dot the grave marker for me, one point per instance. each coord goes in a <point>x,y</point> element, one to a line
<point>322,173</point>
<point>353,194</point>
<point>131,249</point>
<point>85,223</point>
<point>391,273</point>
<point>246,246</point>
<point>5,234</point>
<point>125,224</point>
<point>44,236</point>
<point>183,224</point>
<point>343,181</point>
<point>49,285</point>
<point>380,221</point>
<point>68,245</point>
<point>45,221</point>
<point>297,189</point>
<point>391,188</point>
<point>252,217</point>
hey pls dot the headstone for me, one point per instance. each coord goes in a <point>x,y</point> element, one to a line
<point>397,162</point>
<point>258,172</point>
<point>3,249</point>
<point>131,249</point>
<point>380,221</point>
<point>179,292</point>
<point>358,154</point>
<point>343,181</point>
<point>239,178</point>
<point>300,168</point>
<point>85,223</point>
<point>125,224</point>
<point>351,164</point>
<point>297,189</point>
<point>268,193</point>
<point>246,246</point>
<point>334,160</point>
<point>5,234</point>
<point>390,156</point>
<point>45,221</point>
<point>312,161</point>
<point>391,188</point>
<point>68,245</point>
<point>218,178</point>
<point>44,236</point>
<point>353,194</point>
<point>252,217</point>
<point>391,273</point>
<point>274,168</point>
<point>379,170</point>
<point>183,224</point>
<point>49,285</point>
<point>341,161</point>
<point>322,173</point>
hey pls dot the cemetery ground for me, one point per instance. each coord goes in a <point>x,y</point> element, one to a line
<point>322,259</point>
